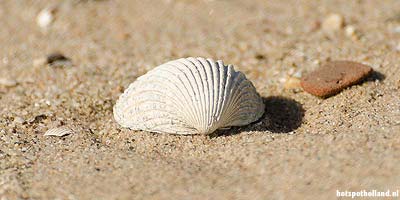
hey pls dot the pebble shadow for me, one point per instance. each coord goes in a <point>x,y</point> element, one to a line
<point>375,75</point>
<point>282,115</point>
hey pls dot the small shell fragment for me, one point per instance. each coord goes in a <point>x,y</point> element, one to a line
<point>59,132</point>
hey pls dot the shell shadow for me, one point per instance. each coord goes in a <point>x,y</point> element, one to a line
<point>282,115</point>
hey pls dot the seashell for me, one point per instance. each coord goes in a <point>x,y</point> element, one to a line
<point>189,96</point>
<point>60,131</point>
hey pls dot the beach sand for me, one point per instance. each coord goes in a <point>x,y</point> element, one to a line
<point>304,147</point>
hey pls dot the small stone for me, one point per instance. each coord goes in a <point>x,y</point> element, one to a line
<point>292,83</point>
<point>397,48</point>
<point>315,26</point>
<point>5,60</point>
<point>333,23</point>
<point>19,120</point>
<point>297,74</point>
<point>396,29</point>
<point>45,17</point>
<point>39,62</point>
<point>8,82</point>
<point>333,77</point>
<point>350,31</point>
<point>37,118</point>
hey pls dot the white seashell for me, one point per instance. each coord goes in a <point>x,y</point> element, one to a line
<point>189,96</point>
<point>60,131</point>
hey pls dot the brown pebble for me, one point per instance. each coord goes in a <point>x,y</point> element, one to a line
<point>333,77</point>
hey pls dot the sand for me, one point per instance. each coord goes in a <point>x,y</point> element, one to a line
<point>304,147</point>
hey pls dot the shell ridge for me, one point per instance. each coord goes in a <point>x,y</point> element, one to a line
<point>240,90</point>
<point>250,97</point>
<point>155,122</point>
<point>241,107</point>
<point>242,87</point>
<point>124,95</point>
<point>200,99</point>
<point>238,82</point>
<point>222,81</point>
<point>160,117</point>
<point>163,85</point>
<point>194,80</point>
<point>200,69</point>
<point>215,80</point>
<point>206,93</point>
<point>236,79</point>
<point>233,106</point>
<point>244,119</point>
<point>186,102</point>
<point>225,95</point>
<point>210,79</point>
<point>194,109</point>
<point>137,96</point>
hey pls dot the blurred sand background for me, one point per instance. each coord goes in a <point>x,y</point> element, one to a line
<point>304,147</point>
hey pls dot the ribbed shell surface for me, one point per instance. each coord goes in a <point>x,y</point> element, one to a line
<point>189,96</point>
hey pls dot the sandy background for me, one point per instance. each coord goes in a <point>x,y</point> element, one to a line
<point>304,147</point>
